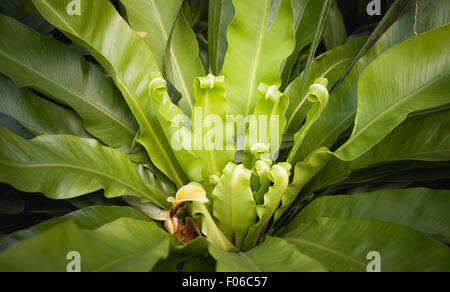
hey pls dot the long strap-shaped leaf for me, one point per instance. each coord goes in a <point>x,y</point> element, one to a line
<point>209,125</point>
<point>172,120</point>
<point>155,19</point>
<point>315,43</point>
<point>431,14</point>
<point>420,80</point>
<point>394,12</point>
<point>89,218</point>
<point>331,66</point>
<point>183,63</point>
<point>257,44</point>
<point>63,167</point>
<point>221,13</point>
<point>59,71</point>
<point>37,115</point>
<point>172,40</point>
<point>422,138</point>
<point>234,206</point>
<point>274,254</point>
<point>14,126</point>
<point>338,116</point>
<point>123,245</point>
<point>102,31</point>
<point>335,31</point>
<point>322,239</point>
<point>425,210</point>
<point>306,20</point>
